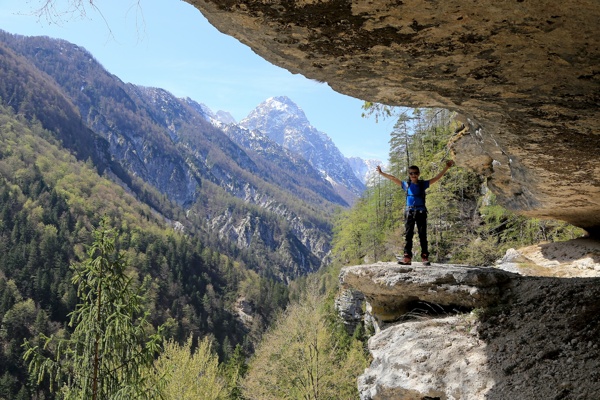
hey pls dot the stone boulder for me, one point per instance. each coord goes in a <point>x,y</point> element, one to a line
<point>438,358</point>
<point>523,74</point>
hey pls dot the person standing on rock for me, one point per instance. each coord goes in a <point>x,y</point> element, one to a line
<point>416,211</point>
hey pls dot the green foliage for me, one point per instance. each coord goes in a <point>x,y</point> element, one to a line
<point>111,348</point>
<point>56,180</point>
<point>234,371</point>
<point>48,203</point>
<point>20,319</point>
<point>183,373</point>
<point>502,229</point>
<point>303,357</point>
<point>84,117</point>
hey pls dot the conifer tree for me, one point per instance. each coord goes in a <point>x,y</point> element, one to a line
<point>108,354</point>
<point>399,146</point>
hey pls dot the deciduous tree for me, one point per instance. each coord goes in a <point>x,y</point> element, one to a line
<point>300,358</point>
<point>190,374</point>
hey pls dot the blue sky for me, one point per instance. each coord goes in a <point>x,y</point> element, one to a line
<point>169,44</point>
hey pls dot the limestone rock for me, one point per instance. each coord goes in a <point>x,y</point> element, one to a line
<point>427,359</point>
<point>534,338</point>
<point>244,311</point>
<point>523,74</point>
<point>348,304</point>
<point>392,290</point>
<point>574,258</point>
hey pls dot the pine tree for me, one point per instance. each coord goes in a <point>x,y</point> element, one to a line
<point>235,369</point>
<point>399,154</point>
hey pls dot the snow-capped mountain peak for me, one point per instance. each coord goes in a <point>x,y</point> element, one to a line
<point>225,117</point>
<point>285,123</point>
<point>219,118</point>
<point>363,169</point>
<point>284,104</point>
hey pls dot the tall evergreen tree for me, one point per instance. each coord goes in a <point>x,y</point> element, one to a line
<point>109,352</point>
<point>399,153</point>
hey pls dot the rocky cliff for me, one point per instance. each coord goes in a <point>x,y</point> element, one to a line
<point>458,332</point>
<point>523,74</point>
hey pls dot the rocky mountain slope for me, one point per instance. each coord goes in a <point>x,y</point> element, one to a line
<point>284,122</point>
<point>268,140</point>
<point>363,169</point>
<point>288,166</point>
<point>272,208</point>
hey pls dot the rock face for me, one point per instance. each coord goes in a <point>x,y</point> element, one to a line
<point>364,169</point>
<point>526,338</point>
<point>427,359</point>
<point>393,291</point>
<point>348,304</point>
<point>523,74</point>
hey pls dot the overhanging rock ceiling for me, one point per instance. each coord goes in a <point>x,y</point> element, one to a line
<point>523,74</point>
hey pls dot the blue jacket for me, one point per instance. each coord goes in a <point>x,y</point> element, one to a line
<point>415,194</point>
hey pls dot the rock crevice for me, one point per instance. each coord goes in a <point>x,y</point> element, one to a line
<point>394,291</point>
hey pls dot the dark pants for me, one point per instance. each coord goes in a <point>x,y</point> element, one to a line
<point>418,217</point>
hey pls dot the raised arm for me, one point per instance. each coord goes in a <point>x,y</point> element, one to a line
<point>388,176</point>
<point>436,178</point>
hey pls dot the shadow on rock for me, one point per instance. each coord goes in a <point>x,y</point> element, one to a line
<point>495,335</point>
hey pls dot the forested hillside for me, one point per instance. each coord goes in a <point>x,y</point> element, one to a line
<point>273,217</point>
<point>215,237</point>
<point>50,202</point>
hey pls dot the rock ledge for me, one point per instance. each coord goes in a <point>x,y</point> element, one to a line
<point>393,289</point>
<point>528,337</point>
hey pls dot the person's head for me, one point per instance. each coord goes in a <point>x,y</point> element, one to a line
<point>413,173</point>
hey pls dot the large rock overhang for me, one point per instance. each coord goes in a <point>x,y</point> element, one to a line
<point>523,74</point>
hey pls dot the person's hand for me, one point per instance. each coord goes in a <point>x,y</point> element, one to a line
<point>378,168</point>
<point>449,163</point>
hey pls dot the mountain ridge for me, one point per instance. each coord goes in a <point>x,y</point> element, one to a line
<point>147,136</point>
<point>284,122</point>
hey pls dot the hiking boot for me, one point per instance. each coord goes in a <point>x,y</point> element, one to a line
<point>425,259</point>
<point>405,261</point>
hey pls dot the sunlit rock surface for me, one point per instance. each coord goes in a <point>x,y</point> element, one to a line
<point>524,75</point>
<point>394,290</point>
